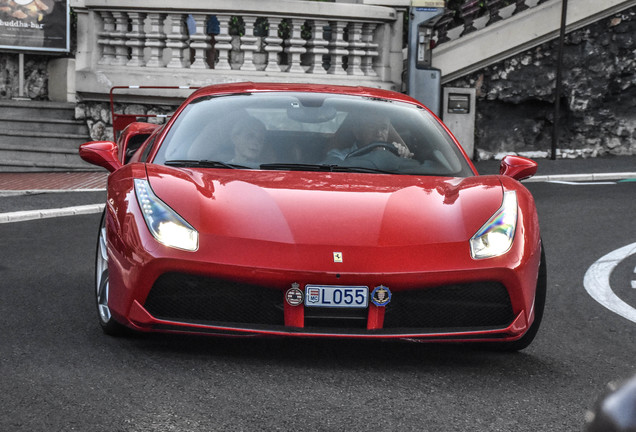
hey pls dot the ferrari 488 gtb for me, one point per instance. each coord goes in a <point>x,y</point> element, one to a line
<point>314,211</point>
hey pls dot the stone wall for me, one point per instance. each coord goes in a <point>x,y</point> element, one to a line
<point>98,119</point>
<point>515,102</point>
<point>35,76</point>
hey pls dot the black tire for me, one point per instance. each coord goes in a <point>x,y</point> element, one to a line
<point>106,321</point>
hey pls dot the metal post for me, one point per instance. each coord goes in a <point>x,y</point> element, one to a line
<point>21,75</point>
<point>557,91</point>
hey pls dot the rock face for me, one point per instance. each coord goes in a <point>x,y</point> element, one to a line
<point>515,106</point>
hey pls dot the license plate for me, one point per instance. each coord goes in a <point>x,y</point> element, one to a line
<point>336,296</point>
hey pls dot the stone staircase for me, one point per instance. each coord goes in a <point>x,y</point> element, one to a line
<point>463,55</point>
<point>40,136</point>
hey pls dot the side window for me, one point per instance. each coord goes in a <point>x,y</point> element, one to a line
<point>133,145</point>
<point>148,149</point>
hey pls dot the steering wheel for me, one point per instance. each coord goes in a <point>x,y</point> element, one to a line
<point>373,146</point>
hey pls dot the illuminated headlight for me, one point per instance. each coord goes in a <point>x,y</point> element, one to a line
<point>164,223</point>
<point>496,236</point>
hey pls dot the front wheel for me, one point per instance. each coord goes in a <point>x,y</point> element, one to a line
<point>106,321</point>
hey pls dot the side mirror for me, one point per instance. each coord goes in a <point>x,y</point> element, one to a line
<point>518,167</point>
<point>101,153</point>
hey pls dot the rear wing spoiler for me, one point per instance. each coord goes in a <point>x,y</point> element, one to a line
<point>121,120</point>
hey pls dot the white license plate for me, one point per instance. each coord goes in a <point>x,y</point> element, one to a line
<point>336,296</point>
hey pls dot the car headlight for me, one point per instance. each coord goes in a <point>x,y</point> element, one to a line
<point>496,236</point>
<point>164,223</point>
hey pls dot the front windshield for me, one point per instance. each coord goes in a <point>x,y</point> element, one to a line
<point>311,131</point>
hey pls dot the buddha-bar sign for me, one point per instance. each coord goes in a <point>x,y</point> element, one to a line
<point>428,3</point>
<point>35,25</point>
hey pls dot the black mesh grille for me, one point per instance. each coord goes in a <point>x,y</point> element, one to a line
<point>189,298</point>
<point>180,297</point>
<point>345,318</point>
<point>483,304</point>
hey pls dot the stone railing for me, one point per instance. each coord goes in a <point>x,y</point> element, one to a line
<point>526,25</point>
<point>464,17</point>
<point>161,42</point>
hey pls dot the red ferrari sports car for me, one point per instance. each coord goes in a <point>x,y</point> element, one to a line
<point>314,211</point>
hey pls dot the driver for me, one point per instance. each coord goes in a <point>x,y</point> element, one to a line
<point>371,129</point>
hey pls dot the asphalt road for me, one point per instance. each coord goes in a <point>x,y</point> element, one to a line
<point>58,372</point>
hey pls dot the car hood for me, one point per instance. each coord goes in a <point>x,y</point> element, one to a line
<point>311,208</point>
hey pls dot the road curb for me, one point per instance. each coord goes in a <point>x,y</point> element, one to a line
<point>583,177</point>
<point>27,215</point>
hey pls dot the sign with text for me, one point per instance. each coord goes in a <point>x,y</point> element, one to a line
<point>35,25</point>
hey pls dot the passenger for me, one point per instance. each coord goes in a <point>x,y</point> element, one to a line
<point>371,129</point>
<point>248,137</point>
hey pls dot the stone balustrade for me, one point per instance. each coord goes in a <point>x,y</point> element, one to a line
<point>467,16</point>
<point>151,42</point>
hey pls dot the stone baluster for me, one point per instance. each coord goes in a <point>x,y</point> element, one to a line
<point>273,45</point>
<point>371,49</point>
<point>155,40</point>
<point>200,43</point>
<point>493,8</point>
<point>442,26</point>
<point>176,41</point>
<point>223,43</point>
<point>469,11</point>
<point>317,47</point>
<point>103,38</point>
<point>356,49</point>
<point>295,46</point>
<point>337,48</point>
<point>521,6</point>
<point>249,44</point>
<point>135,39</point>
<point>118,39</point>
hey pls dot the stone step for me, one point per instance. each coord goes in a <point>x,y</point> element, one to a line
<point>17,109</point>
<point>25,159</point>
<point>41,136</point>
<point>59,126</point>
<point>42,140</point>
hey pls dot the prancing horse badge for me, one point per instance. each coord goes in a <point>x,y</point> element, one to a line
<point>337,257</point>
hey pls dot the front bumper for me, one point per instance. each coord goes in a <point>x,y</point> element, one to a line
<point>469,311</point>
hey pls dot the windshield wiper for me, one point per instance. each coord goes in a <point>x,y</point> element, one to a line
<point>297,167</point>
<point>322,167</point>
<point>202,164</point>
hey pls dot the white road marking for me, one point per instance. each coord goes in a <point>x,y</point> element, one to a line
<point>597,282</point>
<point>21,216</point>
<point>583,177</point>
<point>580,183</point>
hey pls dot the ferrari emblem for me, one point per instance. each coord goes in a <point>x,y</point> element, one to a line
<point>337,257</point>
<point>294,295</point>
<point>381,296</point>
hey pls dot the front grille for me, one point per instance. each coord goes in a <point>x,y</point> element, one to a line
<point>181,297</point>
<point>198,299</point>
<point>472,305</point>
